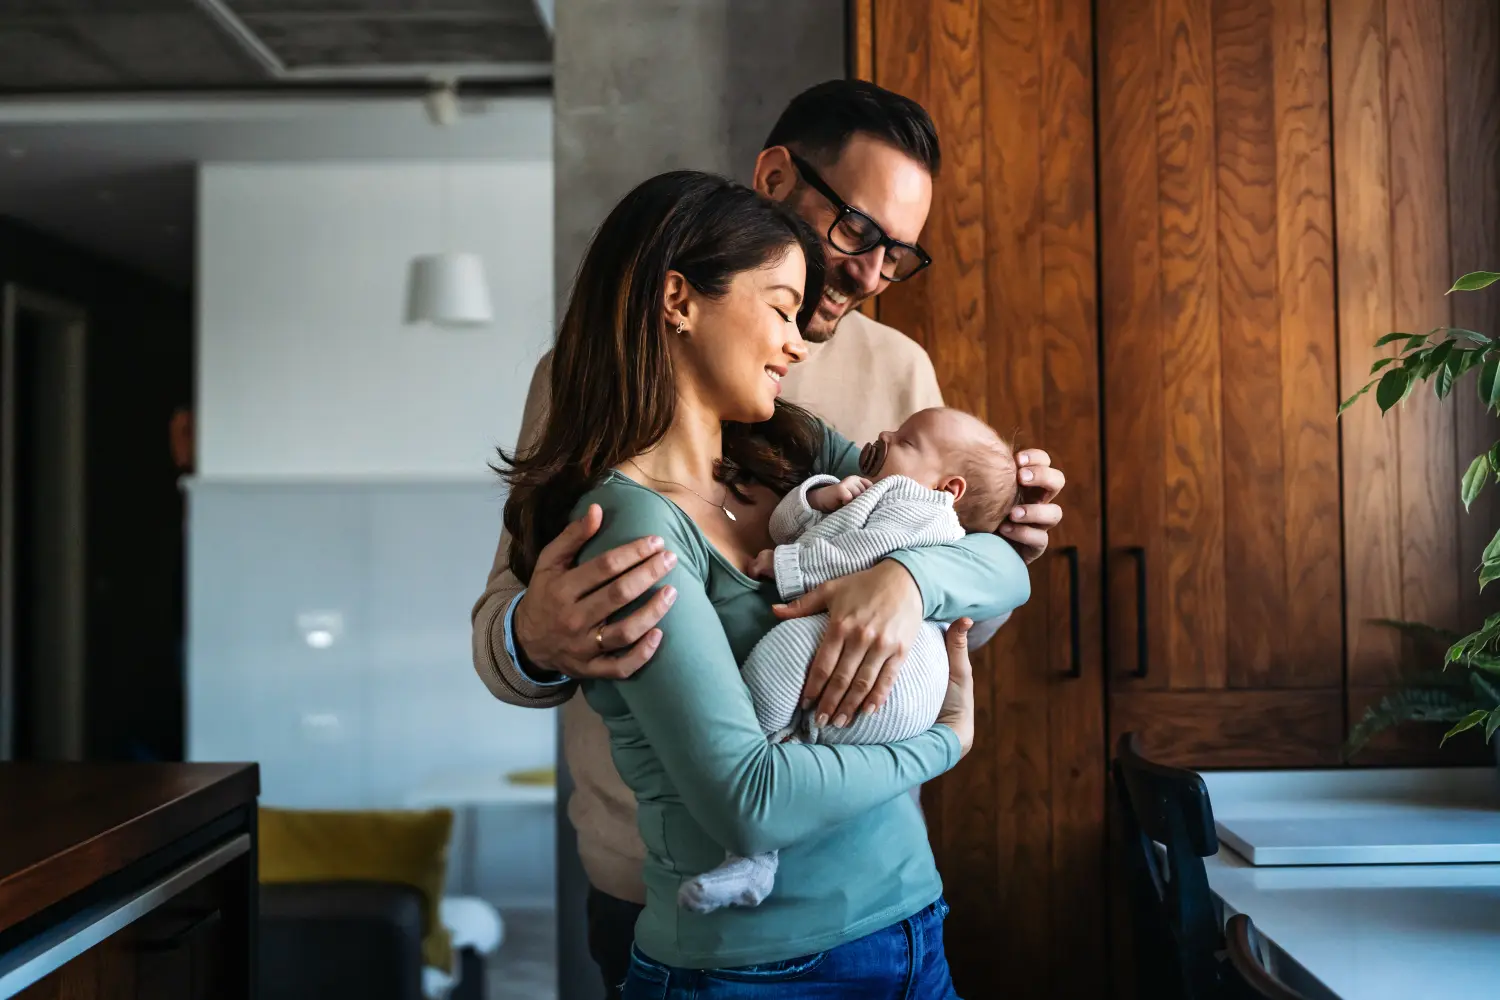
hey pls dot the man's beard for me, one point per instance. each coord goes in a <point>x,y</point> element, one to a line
<point>820,330</point>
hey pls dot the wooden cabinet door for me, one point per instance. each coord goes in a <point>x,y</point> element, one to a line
<point>1220,380</point>
<point>1416,102</point>
<point>1008,313</point>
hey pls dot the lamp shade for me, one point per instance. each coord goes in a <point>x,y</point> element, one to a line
<point>448,289</point>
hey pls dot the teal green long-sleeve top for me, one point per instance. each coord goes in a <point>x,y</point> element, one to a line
<point>684,737</point>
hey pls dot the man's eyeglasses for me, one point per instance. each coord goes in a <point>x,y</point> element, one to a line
<point>854,233</point>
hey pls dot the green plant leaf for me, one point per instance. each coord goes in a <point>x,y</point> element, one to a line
<point>1474,281</point>
<point>1436,357</point>
<point>1362,390</point>
<point>1492,550</point>
<point>1488,573</point>
<point>1495,459</point>
<point>1443,384</point>
<point>1416,703</point>
<point>1394,385</point>
<point>1491,723</point>
<point>1391,338</point>
<point>1468,722</point>
<point>1473,335</point>
<point>1473,481</point>
<point>1484,687</point>
<point>1488,381</point>
<point>1419,630</point>
<point>1381,364</point>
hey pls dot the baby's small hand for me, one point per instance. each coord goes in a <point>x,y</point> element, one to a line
<point>764,566</point>
<point>830,498</point>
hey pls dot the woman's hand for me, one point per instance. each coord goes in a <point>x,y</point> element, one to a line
<point>873,617</point>
<point>958,704</point>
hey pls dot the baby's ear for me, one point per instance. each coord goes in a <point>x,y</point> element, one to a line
<point>954,485</point>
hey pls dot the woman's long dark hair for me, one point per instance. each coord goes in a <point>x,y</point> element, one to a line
<point>614,393</point>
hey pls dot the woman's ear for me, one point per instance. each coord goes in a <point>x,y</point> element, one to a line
<point>775,176</point>
<point>954,485</point>
<point>677,302</point>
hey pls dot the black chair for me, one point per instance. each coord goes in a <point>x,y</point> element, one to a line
<point>1174,919</point>
<point>1244,955</point>
<point>349,939</point>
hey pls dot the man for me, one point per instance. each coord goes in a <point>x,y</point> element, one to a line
<point>857,162</point>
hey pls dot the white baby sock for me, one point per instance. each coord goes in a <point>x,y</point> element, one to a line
<point>737,882</point>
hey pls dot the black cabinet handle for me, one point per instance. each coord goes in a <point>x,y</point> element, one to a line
<point>1142,661</point>
<point>1075,626</point>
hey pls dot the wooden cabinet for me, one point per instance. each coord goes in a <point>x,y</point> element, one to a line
<point>1168,276</point>
<point>1219,372</point>
<point>128,881</point>
<point>1009,314</point>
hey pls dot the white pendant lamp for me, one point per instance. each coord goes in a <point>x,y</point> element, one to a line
<point>447,289</point>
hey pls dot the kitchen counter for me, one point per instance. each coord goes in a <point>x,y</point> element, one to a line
<point>1361,931</point>
<point>127,876</point>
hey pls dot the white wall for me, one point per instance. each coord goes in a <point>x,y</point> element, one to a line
<point>305,368</point>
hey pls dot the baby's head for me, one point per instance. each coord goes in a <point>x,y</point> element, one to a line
<point>950,450</point>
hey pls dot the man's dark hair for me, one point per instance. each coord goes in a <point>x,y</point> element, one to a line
<point>821,120</point>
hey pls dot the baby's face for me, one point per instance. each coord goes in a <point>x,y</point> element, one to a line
<point>924,448</point>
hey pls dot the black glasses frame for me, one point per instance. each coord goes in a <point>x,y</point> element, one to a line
<point>843,209</point>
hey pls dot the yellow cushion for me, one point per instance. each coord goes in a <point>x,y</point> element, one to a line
<point>409,847</point>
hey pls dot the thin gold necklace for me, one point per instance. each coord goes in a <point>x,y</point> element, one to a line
<point>672,482</point>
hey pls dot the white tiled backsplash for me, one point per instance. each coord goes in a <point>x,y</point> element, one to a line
<point>329,640</point>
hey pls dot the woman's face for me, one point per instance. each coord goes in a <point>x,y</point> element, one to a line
<point>738,347</point>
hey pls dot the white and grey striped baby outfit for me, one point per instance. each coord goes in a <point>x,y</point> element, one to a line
<point>812,548</point>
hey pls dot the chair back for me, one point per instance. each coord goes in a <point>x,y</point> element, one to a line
<point>1242,942</point>
<point>1166,827</point>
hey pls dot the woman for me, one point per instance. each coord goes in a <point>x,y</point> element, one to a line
<point>665,381</point>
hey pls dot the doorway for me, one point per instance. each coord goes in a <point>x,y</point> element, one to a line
<point>42,529</point>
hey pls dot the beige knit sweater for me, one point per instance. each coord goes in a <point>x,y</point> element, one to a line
<point>866,379</point>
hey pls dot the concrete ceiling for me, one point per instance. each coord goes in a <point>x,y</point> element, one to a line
<point>141,45</point>
<point>118,177</point>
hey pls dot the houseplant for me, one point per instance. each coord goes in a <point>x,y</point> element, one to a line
<point>1469,696</point>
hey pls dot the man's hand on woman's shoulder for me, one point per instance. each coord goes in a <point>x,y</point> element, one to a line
<point>561,624</point>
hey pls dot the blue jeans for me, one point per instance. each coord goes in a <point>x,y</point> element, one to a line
<point>904,961</point>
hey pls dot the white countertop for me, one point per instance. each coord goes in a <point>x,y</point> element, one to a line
<point>1373,932</point>
<point>1356,931</point>
<point>1356,817</point>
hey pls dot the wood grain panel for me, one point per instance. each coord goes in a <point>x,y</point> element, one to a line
<point>970,806</point>
<point>957,339</point>
<point>1420,273</point>
<point>1131,317</point>
<point>1249,326</point>
<point>1199,729</point>
<point>902,63</point>
<point>1194,524</point>
<point>1472,58</point>
<point>1011,61</point>
<point>860,59</point>
<point>1372,497</point>
<point>1071,432</point>
<point>1008,314</point>
<point>1309,366</point>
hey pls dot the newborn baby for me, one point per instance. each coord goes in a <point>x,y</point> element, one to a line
<point>939,475</point>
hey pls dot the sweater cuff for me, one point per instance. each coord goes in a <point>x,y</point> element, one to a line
<point>538,677</point>
<point>789,581</point>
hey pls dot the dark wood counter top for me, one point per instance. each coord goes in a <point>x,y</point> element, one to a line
<point>65,826</point>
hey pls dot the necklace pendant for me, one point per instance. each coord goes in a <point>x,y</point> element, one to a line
<point>729,513</point>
